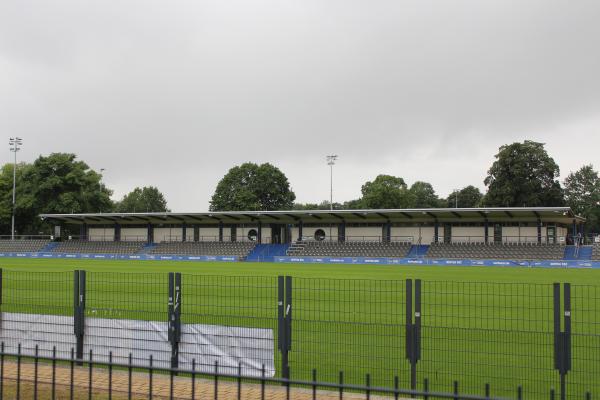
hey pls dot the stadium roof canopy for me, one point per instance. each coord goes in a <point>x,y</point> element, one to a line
<point>550,214</point>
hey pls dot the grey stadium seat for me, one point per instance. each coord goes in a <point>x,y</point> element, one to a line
<point>511,251</point>
<point>349,249</point>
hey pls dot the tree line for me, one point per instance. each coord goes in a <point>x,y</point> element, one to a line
<point>60,183</point>
<point>522,175</point>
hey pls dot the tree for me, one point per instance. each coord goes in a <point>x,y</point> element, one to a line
<point>61,184</point>
<point>57,183</point>
<point>385,191</point>
<point>422,195</point>
<point>523,175</point>
<point>353,205</point>
<point>253,187</point>
<point>146,199</point>
<point>324,205</point>
<point>582,194</point>
<point>23,213</point>
<point>466,197</point>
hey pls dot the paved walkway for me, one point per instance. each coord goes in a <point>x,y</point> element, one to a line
<point>140,385</point>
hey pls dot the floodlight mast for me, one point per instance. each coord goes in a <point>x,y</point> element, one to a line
<point>15,144</point>
<point>331,159</point>
<point>456,198</point>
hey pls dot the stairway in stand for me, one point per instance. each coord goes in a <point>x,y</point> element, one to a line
<point>267,252</point>
<point>575,253</point>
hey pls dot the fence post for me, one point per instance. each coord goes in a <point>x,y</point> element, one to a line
<point>174,310</point>
<point>556,312</point>
<point>1,300</point>
<point>284,319</point>
<point>413,329</point>
<point>79,312</point>
<point>408,315</point>
<point>288,312</point>
<point>562,339</point>
<point>417,330</point>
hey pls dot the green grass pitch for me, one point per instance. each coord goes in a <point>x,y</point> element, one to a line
<point>480,324</point>
<point>378,272</point>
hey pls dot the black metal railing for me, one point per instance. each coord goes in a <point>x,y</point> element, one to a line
<point>54,377</point>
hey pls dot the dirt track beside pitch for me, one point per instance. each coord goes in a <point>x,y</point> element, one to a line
<point>140,385</point>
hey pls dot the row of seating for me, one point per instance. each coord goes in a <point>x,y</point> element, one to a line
<point>514,251</point>
<point>240,249</point>
<point>350,249</point>
<point>23,245</point>
<point>98,247</point>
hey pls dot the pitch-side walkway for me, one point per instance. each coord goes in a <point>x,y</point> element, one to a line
<point>140,385</point>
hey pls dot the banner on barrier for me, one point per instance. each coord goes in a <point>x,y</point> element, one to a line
<point>440,262</point>
<point>145,257</point>
<point>323,260</point>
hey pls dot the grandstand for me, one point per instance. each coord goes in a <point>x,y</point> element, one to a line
<point>520,233</point>
<point>23,245</point>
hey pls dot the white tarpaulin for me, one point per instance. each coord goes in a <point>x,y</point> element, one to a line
<point>30,330</point>
<point>229,346</point>
<point>252,348</point>
<point>123,336</point>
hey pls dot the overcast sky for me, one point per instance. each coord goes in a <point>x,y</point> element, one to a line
<point>173,94</point>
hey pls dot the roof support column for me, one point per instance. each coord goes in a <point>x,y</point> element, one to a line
<point>386,234</point>
<point>574,231</point>
<point>150,233</point>
<point>233,233</point>
<point>184,232</point>
<point>220,231</point>
<point>539,230</point>
<point>288,233</point>
<point>259,233</point>
<point>83,232</point>
<point>436,231</point>
<point>57,234</point>
<point>117,236</point>
<point>196,233</point>
<point>300,226</point>
<point>486,231</point>
<point>342,232</point>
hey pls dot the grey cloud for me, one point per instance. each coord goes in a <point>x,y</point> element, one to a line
<point>174,94</point>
